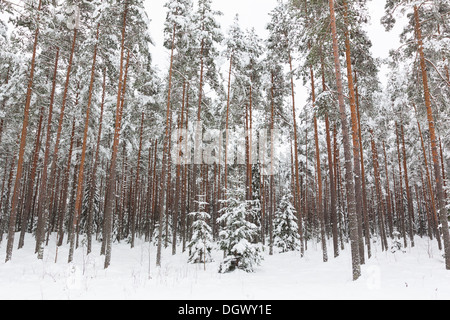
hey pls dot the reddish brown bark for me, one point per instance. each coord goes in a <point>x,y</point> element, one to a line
<point>356,139</point>
<point>444,179</point>
<point>401,210</point>
<point>43,210</point>
<point>184,202</point>
<point>430,187</point>
<point>352,213</point>
<point>138,169</point>
<point>430,220</point>
<point>227,128</point>
<point>363,174</point>
<point>164,169</point>
<point>14,202</point>
<point>271,196</point>
<point>149,191</point>
<point>319,174</point>
<point>5,175</point>
<point>80,183</point>
<point>179,163</point>
<point>29,196</point>
<point>43,183</point>
<point>382,217</point>
<point>388,195</point>
<point>111,184</point>
<point>247,152</point>
<point>8,190</point>
<point>331,174</point>
<point>306,192</point>
<point>93,180</point>
<point>296,162</point>
<point>408,191</point>
<point>433,138</point>
<point>154,190</point>
<point>62,209</point>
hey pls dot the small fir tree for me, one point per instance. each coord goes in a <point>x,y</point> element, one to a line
<point>201,244</point>
<point>237,239</point>
<point>286,236</point>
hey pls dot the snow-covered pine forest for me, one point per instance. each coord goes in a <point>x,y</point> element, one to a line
<point>215,166</point>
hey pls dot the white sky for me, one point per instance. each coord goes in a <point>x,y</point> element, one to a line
<point>382,41</point>
<point>254,13</point>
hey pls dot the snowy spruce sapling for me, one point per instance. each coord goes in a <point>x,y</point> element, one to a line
<point>286,236</point>
<point>238,236</point>
<point>201,243</point>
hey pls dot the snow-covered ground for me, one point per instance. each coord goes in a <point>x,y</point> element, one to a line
<point>417,274</point>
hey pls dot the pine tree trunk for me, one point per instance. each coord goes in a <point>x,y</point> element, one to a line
<point>388,195</point>
<point>227,128</point>
<point>80,183</point>
<point>5,174</point>
<point>111,184</point>
<point>408,191</point>
<point>93,180</point>
<point>149,192</point>
<point>154,190</point>
<point>53,217</point>
<point>319,175</point>
<point>133,217</point>
<point>430,188</point>
<point>355,135</point>
<point>430,220</point>
<point>169,191</point>
<point>247,152</point>
<point>179,162</point>
<point>378,192</point>
<point>43,182</point>
<point>396,202</point>
<point>437,169</point>
<point>444,179</point>
<point>296,163</point>
<point>306,199</point>
<point>185,179</point>
<point>331,174</point>
<point>14,203</point>
<point>165,154</point>
<point>363,175</point>
<point>8,192</point>
<point>29,195</point>
<point>352,213</point>
<point>340,198</point>
<point>73,190</point>
<point>62,209</point>
<point>272,159</point>
<point>23,190</point>
<point>43,210</point>
<point>401,204</point>
<point>23,140</point>
<point>120,202</point>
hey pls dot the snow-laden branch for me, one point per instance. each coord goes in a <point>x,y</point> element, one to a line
<point>435,68</point>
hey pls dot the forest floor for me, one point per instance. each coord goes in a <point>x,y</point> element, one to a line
<point>417,274</point>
